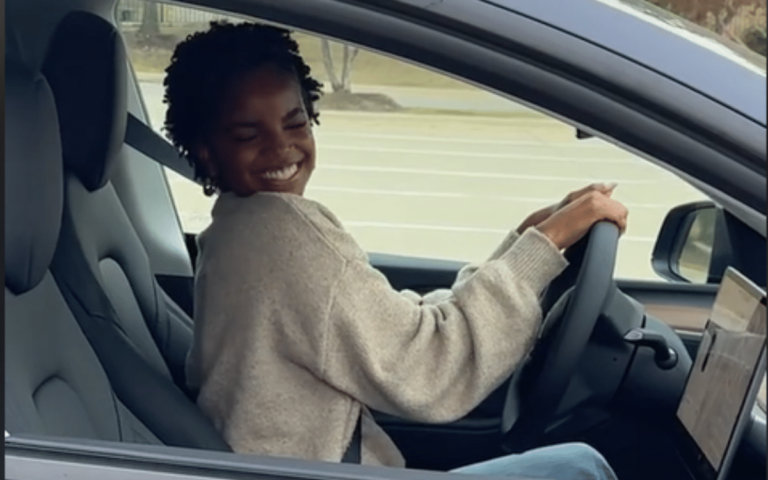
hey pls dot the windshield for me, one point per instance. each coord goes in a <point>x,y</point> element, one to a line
<point>735,29</point>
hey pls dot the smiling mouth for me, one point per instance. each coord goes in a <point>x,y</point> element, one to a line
<point>283,174</point>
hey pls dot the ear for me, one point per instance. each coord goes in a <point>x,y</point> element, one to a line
<point>202,154</point>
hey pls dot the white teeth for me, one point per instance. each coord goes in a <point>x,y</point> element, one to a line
<point>282,174</point>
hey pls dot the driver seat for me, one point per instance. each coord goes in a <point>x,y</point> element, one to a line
<point>54,383</point>
<point>140,336</point>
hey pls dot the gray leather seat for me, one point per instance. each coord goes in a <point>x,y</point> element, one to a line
<point>140,336</point>
<point>54,383</point>
<point>86,68</point>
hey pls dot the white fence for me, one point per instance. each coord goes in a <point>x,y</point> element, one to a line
<point>130,12</point>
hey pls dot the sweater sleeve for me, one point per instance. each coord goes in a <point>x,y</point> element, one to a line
<point>435,361</point>
<point>505,245</point>
<point>436,296</point>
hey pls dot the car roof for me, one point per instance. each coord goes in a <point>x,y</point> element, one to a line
<point>661,41</point>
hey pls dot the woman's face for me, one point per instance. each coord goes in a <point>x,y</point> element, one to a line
<point>262,139</point>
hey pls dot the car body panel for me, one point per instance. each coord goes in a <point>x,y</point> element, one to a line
<point>666,39</point>
<point>30,457</point>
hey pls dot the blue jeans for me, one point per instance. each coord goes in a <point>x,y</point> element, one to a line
<point>569,461</point>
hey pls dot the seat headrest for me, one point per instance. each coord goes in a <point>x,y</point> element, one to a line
<point>34,179</point>
<point>86,66</point>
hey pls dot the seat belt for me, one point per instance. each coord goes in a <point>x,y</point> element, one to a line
<point>143,138</point>
<point>353,454</point>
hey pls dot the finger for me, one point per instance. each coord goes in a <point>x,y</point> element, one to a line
<point>604,208</point>
<point>606,188</point>
<point>622,226</point>
<point>610,189</point>
<point>626,220</point>
<point>603,188</point>
<point>618,215</point>
<point>576,194</point>
<point>595,187</point>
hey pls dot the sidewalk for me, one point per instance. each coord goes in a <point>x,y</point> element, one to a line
<point>469,100</point>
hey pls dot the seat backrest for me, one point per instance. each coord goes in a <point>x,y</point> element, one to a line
<point>100,263</point>
<point>54,383</point>
<point>86,67</point>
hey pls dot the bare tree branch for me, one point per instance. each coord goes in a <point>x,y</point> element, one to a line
<point>329,67</point>
<point>349,56</point>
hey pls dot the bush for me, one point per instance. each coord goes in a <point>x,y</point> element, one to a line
<point>755,39</point>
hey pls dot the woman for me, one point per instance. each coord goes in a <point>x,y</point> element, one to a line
<point>295,333</point>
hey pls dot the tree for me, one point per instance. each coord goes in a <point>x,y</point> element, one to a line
<point>755,39</point>
<point>339,83</point>
<point>722,12</point>
<point>150,21</point>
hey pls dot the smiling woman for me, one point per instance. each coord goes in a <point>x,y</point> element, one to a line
<point>308,300</point>
<point>243,118</point>
<point>261,141</point>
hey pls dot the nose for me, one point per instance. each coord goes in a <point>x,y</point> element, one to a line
<point>282,150</point>
<point>280,145</point>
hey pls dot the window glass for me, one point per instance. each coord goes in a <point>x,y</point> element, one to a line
<point>416,163</point>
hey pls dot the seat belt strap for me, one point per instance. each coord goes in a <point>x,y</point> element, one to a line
<point>143,138</point>
<point>353,453</point>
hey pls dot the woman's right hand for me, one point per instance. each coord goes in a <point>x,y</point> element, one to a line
<point>569,224</point>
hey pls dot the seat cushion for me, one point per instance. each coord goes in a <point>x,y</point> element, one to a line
<point>54,383</point>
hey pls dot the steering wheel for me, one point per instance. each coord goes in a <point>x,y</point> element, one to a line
<point>571,306</point>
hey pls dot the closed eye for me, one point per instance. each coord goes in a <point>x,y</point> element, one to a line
<point>297,126</point>
<point>239,138</point>
<point>244,134</point>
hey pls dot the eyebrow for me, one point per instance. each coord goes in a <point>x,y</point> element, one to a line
<point>246,124</point>
<point>296,111</point>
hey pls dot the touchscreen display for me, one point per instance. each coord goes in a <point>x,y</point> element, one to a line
<point>725,366</point>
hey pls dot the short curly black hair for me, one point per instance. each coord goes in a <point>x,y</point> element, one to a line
<point>204,65</point>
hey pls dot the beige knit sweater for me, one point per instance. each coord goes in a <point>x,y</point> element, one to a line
<point>295,331</point>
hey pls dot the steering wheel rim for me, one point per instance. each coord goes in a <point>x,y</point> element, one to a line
<point>591,265</point>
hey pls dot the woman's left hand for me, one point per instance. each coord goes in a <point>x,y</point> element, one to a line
<point>541,215</point>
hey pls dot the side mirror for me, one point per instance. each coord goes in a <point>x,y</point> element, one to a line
<point>685,248</point>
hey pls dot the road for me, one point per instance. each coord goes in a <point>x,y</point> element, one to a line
<point>451,186</point>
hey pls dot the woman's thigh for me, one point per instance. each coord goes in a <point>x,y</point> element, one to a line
<point>570,461</point>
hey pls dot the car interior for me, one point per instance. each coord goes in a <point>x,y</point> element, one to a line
<point>98,317</point>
